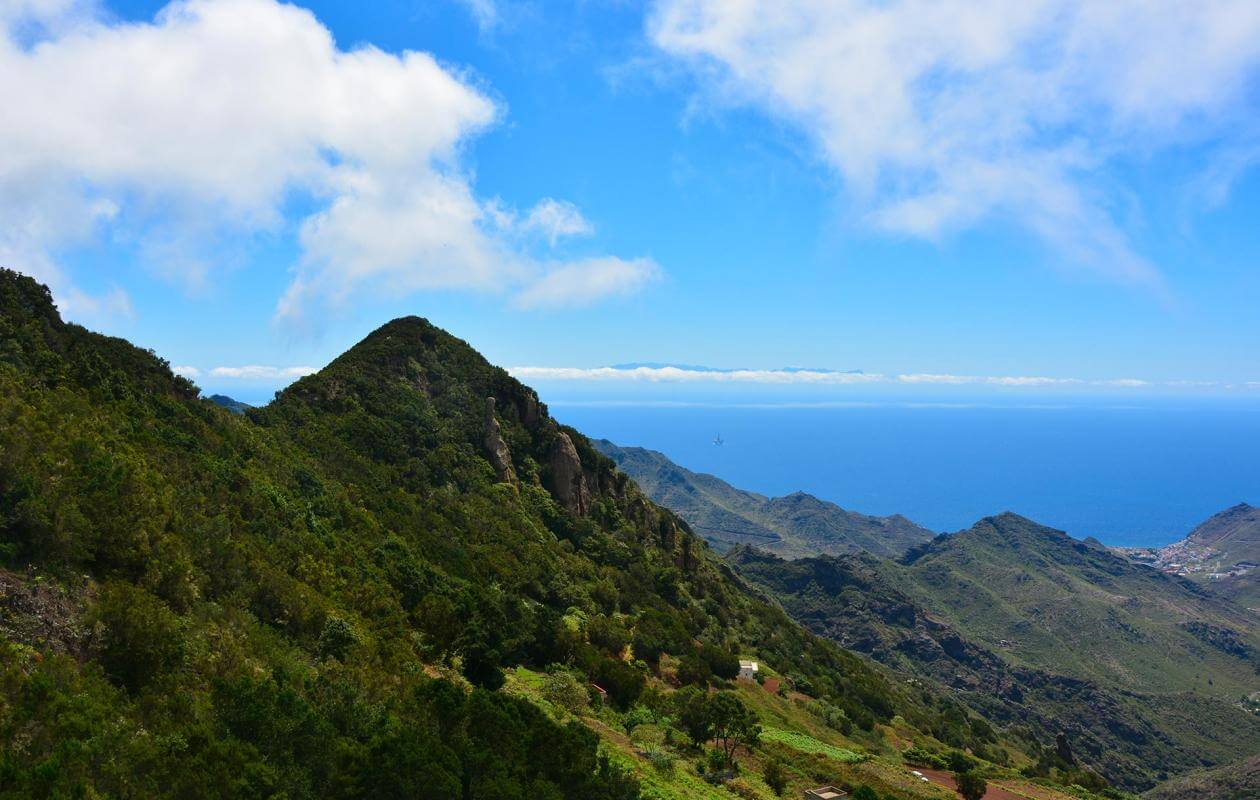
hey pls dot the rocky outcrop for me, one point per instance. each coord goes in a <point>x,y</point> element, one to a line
<point>39,614</point>
<point>496,449</point>
<point>568,483</point>
<point>530,413</point>
<point>1063,748</point>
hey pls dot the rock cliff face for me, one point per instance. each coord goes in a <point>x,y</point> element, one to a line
<point>568,484</point>
<point>496,449</point>
<point>530,413</point>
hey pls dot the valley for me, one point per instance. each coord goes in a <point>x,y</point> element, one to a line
<point>1140,667</point>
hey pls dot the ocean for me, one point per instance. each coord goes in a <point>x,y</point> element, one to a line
<point>1128,476</point>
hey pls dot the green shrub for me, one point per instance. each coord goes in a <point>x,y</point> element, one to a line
<point>143,639</point>
<point>336,639</point>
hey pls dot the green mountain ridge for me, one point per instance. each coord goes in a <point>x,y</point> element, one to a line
<point>1234,531</point>
<point>325,596</point>
<point>1132,737</point>
<point>1232,561</point>
<point>797,524</point>
<point>1052,601</point>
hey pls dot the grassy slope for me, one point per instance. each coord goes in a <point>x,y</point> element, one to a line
<point>1235,535</point>
<point>1069,606</point>
<point>1133,738</point>
<point>795,525</point>
<point>812,753</point>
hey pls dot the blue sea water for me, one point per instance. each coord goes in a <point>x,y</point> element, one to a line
<point>1128,476</point>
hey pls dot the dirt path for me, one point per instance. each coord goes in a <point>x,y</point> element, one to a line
<point>941,778</point>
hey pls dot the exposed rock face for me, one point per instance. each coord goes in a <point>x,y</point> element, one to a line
<point>568,482</point>
<point>497,449</point>
<point>43,616</point>
<point>1064,749</point>
<point>529,412</point>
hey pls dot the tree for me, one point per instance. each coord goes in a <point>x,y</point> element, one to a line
<point>142,637</point>
<point>441,624</point>
<point>691,707</point>
<point>775,777</point>
<point>336,639</point>
<point>734,724</point>
<point>961,762</point>
<point>481,668</point>
<point>971,786</point>
<point>562,688</point>
<point>623,682</point>
<point>607,634</point>
<point>692,670</point>
<point>723,664</point>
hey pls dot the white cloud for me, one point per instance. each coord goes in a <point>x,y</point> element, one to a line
<point>1032,381</point>
<point>204,124</point>
<point>669,374</point>
<point>556,218</point>
<point>187,371</point>
<point>680,374</point>
<point>1001,380</point>
<point>484,12</point>
<point>582,283</point>
<point>941,114</point>
<point>260,372</point>
<point>1129,383</point>
<point>934,378</point>
<point>549,219</point>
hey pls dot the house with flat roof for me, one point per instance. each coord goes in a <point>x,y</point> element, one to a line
<point>825,793</point>
<point>748,669</point>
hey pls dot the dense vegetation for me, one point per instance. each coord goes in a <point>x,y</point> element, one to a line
<point>320,597</point>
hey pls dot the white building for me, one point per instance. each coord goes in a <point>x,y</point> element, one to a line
<point>748,669</point>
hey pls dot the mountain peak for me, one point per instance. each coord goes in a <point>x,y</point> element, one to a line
<point>409,351</point>
<point>1011,527</point>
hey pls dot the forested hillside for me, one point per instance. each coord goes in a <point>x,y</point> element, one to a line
<point>325,597</point>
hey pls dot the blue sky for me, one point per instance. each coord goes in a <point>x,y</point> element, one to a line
<point>965,191</point>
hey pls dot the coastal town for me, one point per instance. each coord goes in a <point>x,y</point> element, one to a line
<point>1189,559</point>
